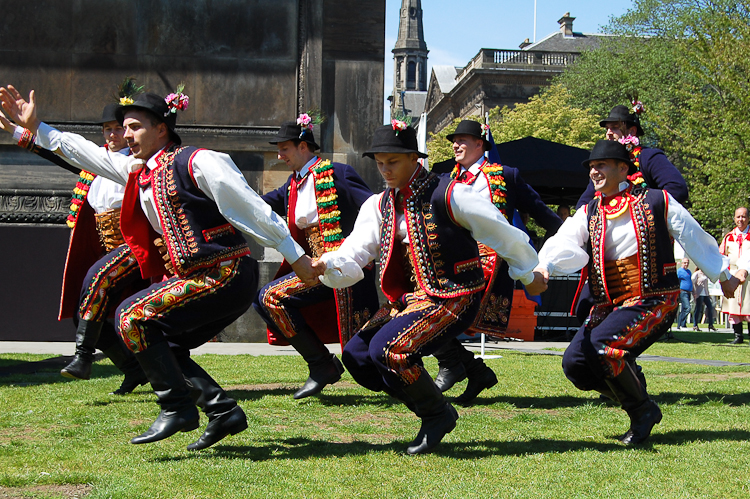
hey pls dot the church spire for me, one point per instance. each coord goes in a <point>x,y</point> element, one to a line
<point>409,56</point>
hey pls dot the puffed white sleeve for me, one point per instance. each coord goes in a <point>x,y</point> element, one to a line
<point>565,252</point>
<point>219,178</point>
<point>83,153</point>
<point>344,266</point>
<point>698,244</point>
<point>490,227</point>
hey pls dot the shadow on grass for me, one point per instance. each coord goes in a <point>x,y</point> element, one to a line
<point>47,371</point>
<point>305,448</point>
<point>695,399</point>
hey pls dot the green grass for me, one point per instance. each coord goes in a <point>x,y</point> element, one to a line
<point>532,435</point>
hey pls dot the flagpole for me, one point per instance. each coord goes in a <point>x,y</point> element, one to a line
<point>534,21</point>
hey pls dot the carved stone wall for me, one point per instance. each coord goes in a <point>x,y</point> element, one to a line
<point>247,65</point>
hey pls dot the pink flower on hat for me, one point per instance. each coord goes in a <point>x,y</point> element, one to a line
<point>485,130</point>
<point>177,102</point>
<point>637,106</point>
<point>305,121</point>
<point>398,126</point>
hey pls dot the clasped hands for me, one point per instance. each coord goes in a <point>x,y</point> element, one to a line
<point>308,270</point>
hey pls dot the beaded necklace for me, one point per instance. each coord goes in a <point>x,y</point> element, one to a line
<point>326,199</point>
<point>80,192</point>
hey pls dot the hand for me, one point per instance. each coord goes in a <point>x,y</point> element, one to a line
<point>305,270</point>
<point>729,286</point>
<point>539,284</point>
<point>319,266</point>
<point>19,110</point>
<point>741,274</point>
<point>6,124</point>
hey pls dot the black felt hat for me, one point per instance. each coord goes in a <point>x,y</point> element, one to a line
<point>393,139</point>
<point>109,114</point>
<point>157,106</point>
<point>622,113</point>
<point>473,128</point>
<point>290,130</point>
<point>610,149</point>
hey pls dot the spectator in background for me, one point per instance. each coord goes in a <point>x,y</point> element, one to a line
<point>686,288</point>
<point>702,298</point>
<point>563,211</point>
<point>738,307</point>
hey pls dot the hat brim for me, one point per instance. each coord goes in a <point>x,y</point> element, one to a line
<point>638,129</point>
<point>279,140</point>
<point>391,150</point>
<point>487,145</point>
<point>631,166</point>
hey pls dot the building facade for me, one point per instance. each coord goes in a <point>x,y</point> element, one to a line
<point>409,63</point>
<point>499,77</point>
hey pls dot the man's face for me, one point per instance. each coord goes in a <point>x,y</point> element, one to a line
<point>295,157</point>
<point>615,130</point>
<point>396,168</point>
<point>740,218</point>
<point>606,174</point>
<point>685,263</point>
<point>144,138</point>
<point>467,149</point>
<point>114,135</point>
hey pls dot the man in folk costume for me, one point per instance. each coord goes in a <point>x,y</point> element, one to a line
<point>183,214</point>
<point>505,188</point>
<point>625,236</point>
<point>95,222</point>
<point>424,228</point>
<point>734,245</point>
<point>320,201</point>
<point>651,165</point>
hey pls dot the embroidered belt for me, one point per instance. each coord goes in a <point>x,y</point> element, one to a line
<point>623,279</point>
<point>108,227</point>
<point>314,241</point>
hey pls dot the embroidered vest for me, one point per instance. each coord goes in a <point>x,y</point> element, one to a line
<point>196,234</point>
<point>656,266</point>
<point>443,254</point>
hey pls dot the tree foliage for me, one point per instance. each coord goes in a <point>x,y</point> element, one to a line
<point>689,62</point>
<point>549,115</point>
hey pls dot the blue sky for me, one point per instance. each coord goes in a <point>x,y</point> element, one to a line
<point>455,30</point>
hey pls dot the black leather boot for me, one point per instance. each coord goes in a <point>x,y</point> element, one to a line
<point>438,416</point>
<point>480,377</point>
<point>451,358</point>
<point>737,333</point>
<point>87,335</point>
<point>125,361</point>
<point>644,413</point>
<point>225,417</point>
<point>325,368</point>
<point>178,412</point>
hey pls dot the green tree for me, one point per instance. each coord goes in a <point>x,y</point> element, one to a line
<point>687,60</point>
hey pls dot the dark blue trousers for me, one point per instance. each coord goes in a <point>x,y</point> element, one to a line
<point>188,311</point>
<point>386,354</point>
<point>611,336</point>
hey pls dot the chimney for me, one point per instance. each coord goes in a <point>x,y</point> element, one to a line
<point>566,24</point>
<point>524,44</point>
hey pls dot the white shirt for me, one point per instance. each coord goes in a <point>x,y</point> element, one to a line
<point>103,193</point>
<point>565,252</point>
<point>306,210</point>
<point>481,185</point>
<point>477,214</point>
<point>215,174</point>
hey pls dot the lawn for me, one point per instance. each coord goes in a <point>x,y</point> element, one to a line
<point>532,435</point>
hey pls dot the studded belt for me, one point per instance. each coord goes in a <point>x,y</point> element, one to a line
<point>108,227</point>
<point>314,241</point>
<point>623,279</point>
